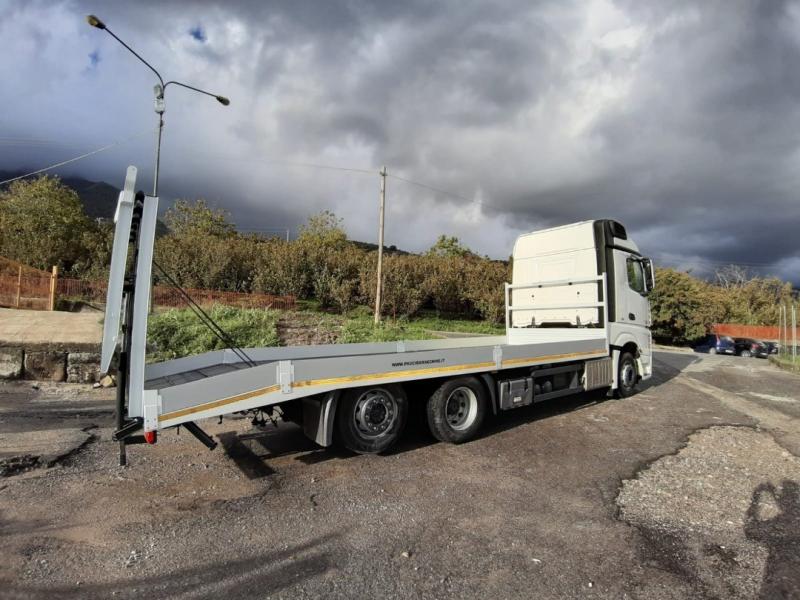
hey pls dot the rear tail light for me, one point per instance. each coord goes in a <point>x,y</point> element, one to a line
<point>150,437</point>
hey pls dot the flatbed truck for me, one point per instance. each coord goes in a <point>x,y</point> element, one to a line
<point>577,319</point>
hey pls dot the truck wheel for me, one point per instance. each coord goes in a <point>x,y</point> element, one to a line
<point>370,419</point>
<point>626,375</point>
<point>456,409</point>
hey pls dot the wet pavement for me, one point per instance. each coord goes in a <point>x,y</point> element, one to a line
<point>687,489</point>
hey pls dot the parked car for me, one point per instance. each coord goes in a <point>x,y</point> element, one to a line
<point>772,347</point>
<point>749,347</point>
<point>716,344</point>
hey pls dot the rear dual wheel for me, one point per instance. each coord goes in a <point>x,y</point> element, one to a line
<point>370,420</point>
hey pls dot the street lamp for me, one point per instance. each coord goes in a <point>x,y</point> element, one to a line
<point>159,89</point>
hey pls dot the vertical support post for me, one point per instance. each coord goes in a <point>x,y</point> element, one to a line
<point>53,288</point>
<point>19,285</point>
<point>785,331</point>
<point>794,333</point>
<point>508,307</point>
<point>380,247</point>
<point>781,340</point>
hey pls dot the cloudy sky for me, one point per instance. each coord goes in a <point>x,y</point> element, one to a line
<point>679,119</point>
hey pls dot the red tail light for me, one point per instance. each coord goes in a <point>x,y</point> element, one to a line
<point>151,437</point>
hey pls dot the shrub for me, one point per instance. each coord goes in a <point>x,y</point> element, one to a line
<point>484,287</point>
<point>443,284</point>
<point>281,268</point>
<point>178,332</point>
<point>402,294</point>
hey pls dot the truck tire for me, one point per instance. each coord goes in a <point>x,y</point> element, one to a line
<point>370,419</point>
<point>627,377</point>
<point>456,409</point>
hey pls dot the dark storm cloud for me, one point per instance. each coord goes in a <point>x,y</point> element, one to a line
<point>679,119</point>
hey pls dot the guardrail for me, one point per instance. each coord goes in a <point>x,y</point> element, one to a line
<point>601,304</point>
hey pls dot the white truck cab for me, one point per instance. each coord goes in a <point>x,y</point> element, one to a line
<point>578,251</point>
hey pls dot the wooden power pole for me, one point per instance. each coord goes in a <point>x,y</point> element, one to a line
<point>380,246</point>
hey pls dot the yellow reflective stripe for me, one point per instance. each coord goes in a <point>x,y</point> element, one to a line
<point>217,403</point>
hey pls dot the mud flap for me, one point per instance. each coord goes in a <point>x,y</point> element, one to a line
<point>318,414</point>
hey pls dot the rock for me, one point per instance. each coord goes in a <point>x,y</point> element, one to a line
<point>108,381</point>
<point>83,367</point>
<point>46,365</point>
<point>405,554</point>
<point>10,363</point>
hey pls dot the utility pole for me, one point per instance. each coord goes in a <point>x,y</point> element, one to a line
<point>380,246</point>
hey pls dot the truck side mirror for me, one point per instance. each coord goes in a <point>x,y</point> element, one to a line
<point>649,275</point>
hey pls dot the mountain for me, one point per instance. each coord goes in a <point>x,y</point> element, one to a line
<point>99,198</point>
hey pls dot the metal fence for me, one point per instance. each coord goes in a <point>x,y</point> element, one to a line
<point>787,326</point>
<point>22,286</point>
<point>757,332</point>
<point>95,291</point>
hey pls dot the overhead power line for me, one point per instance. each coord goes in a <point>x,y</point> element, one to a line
<point>446,192</point>
<point>77,158</point>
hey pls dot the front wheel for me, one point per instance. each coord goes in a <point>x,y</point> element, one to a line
<point>370,419</point>
<point>627,376</point>
<point>745,354</point>
<point>456,409</point>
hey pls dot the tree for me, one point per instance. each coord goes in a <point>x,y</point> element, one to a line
<point>197,218</point>
<point>323,229</point>
<point>42,224</point>
<point>683,307</point>
<point>449,246</point>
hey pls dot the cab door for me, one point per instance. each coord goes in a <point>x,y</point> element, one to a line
<point>631,289</point>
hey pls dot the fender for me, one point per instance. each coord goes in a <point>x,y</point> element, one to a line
<point>616,349</point>
<point>491,386</point>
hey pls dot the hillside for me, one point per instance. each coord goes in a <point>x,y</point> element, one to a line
<point>99,198</point>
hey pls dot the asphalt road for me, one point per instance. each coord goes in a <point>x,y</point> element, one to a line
<point>691,488</point>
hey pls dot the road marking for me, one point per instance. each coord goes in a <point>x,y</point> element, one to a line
<point>774,398</point>
<point>769,417</point>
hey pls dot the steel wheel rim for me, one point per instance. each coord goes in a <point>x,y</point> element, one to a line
<point>461,408</point>
<point>628,375</point>
<point>375,413</point>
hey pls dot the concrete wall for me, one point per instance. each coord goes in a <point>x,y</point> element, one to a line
<point>47,363</point>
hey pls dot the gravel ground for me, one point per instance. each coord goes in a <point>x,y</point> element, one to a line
<point>688,489</point>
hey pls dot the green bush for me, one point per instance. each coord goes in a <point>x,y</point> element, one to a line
<point>402,294</point>
<point>179,332</point>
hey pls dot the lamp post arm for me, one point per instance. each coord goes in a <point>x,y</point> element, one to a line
<point>136,54</point>
<point>221,99</point>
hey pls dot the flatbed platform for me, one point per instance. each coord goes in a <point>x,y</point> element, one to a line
<point>220,382</point>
